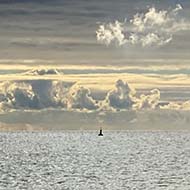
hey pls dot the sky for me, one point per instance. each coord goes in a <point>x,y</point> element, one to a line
<point>78,64</point>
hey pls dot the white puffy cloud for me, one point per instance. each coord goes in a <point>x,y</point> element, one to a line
<point>153,28</point>
<point>111,32</point>
<point>153,39</point>
<point>151,18</point>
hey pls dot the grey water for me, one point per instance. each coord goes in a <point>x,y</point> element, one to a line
<point>82,160</point>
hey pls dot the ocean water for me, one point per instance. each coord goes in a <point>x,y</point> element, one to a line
<point>82,160</point>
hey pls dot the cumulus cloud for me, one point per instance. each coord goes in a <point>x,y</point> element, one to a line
<point>17,95</point>
<point>149,101</point>
<point>152,28</point>
<point>111,32</point>
<point>80,98</point>
<point>122,97</point>
<point>37,94</point>
<point>42,94</point>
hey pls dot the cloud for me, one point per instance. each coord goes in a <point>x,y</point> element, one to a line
<point>80,98</point>
<point>111,32</point>
<point>35,94</point>
<point>149,101</point>
<point>42,72</point>
<point>177,106</point>
<point>153,28</point>
<point>122,97</point>
<point>42,94</point>
<point>17,95</point>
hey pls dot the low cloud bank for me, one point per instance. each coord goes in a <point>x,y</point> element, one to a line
<point>43,94</point>
<point>36,94</point>
<point>152,28</point>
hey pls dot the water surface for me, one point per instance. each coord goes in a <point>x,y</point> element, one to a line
<point>82,160</point>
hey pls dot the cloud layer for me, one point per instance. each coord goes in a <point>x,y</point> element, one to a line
<point>44,94</point>
<point>35,94</point>
<point>56,104</point>
<point>42,72</point>
<point>39,89</point>
<point>152,28</point>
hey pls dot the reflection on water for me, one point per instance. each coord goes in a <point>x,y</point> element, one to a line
<point>82,160</point>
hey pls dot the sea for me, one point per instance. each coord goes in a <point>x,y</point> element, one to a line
<point>73,160</point>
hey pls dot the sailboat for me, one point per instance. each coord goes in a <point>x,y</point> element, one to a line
<point>100,133</point>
